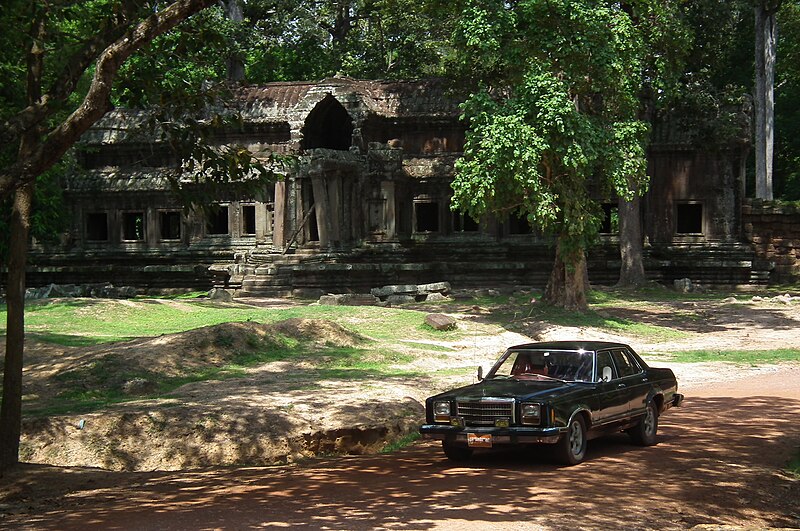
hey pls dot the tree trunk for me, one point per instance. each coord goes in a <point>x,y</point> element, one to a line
<point>233,10</point>
<point>11,409</point>
<point>631,271</point>
<point>765,45</point>
<point>569,280</point>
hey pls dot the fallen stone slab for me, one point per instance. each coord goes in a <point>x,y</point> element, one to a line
<point>401,299</point>
<point>400,289</point>
<point>440,321</point>
<point>435,287</point>
<point>348,299</point>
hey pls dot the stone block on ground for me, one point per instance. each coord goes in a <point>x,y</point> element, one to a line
<point>400,289</point>
<point>348,299</point>
<point>684,285</point>
<point>400,299</point>
<point>221,294</point>
<point>435,287</point>
<point>440,321</point>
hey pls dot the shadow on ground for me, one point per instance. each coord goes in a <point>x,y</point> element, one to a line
<point>718,460</point>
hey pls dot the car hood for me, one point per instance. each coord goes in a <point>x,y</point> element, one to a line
<point>520,389</point>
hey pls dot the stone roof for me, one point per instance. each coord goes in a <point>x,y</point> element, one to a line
<point>385,98</point>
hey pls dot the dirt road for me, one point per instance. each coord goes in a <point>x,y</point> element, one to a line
<point>719,461</point>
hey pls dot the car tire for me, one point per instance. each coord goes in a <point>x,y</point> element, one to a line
<point>644,433</point>
<point>571,448</point>
<point>456,452</point>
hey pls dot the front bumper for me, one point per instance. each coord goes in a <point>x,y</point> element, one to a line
<point>510,435</point>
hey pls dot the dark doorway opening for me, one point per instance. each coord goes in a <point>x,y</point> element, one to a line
<point>328,126</point>
<point>248,220</point>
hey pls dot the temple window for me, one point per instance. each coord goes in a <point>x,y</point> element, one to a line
<point>97,226</point>
<point>132,226</point>
<point>217,221</point>
<point>426,215</point>
<point>463,222</point>
<point>519,224</point>
<point>689,218</point>
<point>610,224</point>
<point>169,225</point>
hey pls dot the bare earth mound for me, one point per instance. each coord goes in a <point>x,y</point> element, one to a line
<point>275,412</point>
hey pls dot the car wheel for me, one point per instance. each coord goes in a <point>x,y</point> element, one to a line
<point>571,448</point>
<point>644,433</point>
<point>455,452</point>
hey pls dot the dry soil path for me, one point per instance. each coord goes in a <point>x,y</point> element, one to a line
<point>719,461</point>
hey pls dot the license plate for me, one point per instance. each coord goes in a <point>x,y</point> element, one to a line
<point>479,440</point>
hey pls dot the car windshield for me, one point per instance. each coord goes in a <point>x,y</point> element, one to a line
<point>567,365</point>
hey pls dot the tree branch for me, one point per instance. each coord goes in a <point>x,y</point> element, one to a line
<point>97,101</point>
<point>65,83</point>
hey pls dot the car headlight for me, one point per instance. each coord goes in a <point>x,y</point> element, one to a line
<point>441,411</point>
<point>531,413</point>
<point>441,408</point>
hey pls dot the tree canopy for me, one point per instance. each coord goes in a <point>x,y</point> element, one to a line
<point>555,116</point>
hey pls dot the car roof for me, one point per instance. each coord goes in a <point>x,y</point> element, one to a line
<point>570,345</point>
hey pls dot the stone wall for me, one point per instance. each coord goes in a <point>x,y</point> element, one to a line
<point>774,230</point>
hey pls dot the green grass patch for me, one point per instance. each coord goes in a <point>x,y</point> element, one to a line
<point>428,346</point>
<point>400,443</point>
<point>794,465</point>
<point>736,356</point>
<point>82,322</point>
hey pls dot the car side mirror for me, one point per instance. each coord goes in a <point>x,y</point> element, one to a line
<point>606,374</point>
<point>480,373</point>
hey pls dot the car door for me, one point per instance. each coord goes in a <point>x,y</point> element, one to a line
<point>612,400</point>
<point>632,381</point>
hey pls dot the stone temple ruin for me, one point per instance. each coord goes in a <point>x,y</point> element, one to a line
<point>368,205</point>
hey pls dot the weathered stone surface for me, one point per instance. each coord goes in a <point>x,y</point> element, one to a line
<point>435,287</point>
<point>436,297</point>
<point>684,285</point>
<point>403,289</point>
<point>221,294</point>
<point>440,321</point>
<point>100,291</point>
<point>349,299</point>
<point>400,299</point>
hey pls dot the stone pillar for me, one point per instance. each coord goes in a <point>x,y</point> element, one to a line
<point>279,235</point>
<point>334,186</point>
<point>390,209</point>
<point>322,208</point>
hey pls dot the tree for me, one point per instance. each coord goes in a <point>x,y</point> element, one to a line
<point>553,117</point>
<point>787,104</point>
<point>67,45</point>
<point>764,99</point>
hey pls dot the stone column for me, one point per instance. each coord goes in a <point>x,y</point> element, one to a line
<point>279,235</point>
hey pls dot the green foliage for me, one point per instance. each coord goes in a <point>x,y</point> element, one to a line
<point>787,104</point>
<point>794,465</point>
<point>554,114</point>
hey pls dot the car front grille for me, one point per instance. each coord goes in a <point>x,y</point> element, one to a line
<point>485,412</point>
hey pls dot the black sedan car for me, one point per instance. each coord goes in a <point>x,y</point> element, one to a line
<point>562,393</point>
